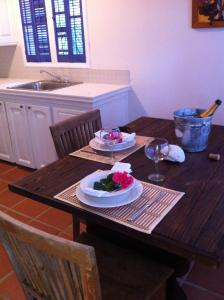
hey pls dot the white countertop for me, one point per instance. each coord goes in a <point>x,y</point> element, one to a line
<point>83,90</point>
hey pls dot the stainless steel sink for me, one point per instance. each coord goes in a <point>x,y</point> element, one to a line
<point>43,85</point>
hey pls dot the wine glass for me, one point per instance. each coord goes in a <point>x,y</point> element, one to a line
<point>157,150</point>
<point>110,137</point>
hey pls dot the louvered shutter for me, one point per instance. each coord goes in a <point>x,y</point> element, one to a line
<point>34,23</point>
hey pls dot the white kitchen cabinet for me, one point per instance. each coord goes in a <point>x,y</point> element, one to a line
<point>28,115</point>
<point>20,134</point>
<point>39,119</point>
<point>6,152</point>
<point>62,113</point>
<point>6,28</point>
<point>31,138</point>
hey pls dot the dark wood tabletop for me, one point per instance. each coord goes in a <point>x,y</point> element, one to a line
<point>194,228</point>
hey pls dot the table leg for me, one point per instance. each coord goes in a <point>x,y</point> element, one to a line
<point>76,227</point>
<point>179,264</point>
<point>174,291</point>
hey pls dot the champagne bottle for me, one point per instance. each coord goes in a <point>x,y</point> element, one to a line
<point>211,110</point>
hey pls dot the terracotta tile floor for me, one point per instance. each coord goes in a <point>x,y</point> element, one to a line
<point>202,283</point>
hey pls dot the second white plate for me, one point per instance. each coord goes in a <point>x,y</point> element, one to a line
<point>105,202</point>
<point>93,144</point>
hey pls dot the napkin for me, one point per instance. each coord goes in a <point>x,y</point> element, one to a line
<point>94,193</point>
<point>126,137</point>
<point>176,154</point>
<point>121,167</point>
<point>89,190</point>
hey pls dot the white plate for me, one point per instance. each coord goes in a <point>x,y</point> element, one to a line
<point>118,147</point>
<point>86,185</point>
<point>124,136</point>
<point>105,202</point>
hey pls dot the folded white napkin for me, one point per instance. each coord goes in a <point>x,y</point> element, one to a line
<point>100,133</point>
<point>176,154</point>
<point>94,193</point>
<point>86,185</point>
<point>126,137</point>
<point>121,167</point>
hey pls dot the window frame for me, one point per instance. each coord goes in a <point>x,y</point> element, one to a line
<point>71,58</point>
<point>54,63</point>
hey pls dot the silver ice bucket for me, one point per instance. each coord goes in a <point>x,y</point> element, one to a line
<point>192,132</point>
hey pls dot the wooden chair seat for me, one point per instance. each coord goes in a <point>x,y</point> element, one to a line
<point>126,274</point>
<point>52,268</point>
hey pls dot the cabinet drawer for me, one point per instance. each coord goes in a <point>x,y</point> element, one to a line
<point>63,113</point>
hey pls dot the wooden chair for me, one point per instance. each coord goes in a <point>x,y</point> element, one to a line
<point>52,268</point>
<point>75,132</point>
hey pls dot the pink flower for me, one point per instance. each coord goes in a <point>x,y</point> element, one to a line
<point>117,177</point>
<point>123,179</point>
<point>115,135</point>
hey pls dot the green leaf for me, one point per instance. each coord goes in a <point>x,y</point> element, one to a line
<point>106,184</point>
<point>104,181</point>
<point>98,186</point>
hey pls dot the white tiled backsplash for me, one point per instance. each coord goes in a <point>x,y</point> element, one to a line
<point>88,75</point>
<point>12,65</point>
<point>78,75</point>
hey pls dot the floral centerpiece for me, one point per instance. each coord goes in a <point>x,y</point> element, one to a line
<point>114,134</point>
<point>113,182</point>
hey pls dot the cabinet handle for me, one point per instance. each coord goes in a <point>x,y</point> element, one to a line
<point>0,103</point>
<point>29,107</point>
<point>21,106</point>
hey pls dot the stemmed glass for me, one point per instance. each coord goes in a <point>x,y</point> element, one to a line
<point>110,137</point>
<point>157,150</point>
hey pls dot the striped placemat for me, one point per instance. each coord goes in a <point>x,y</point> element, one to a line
<point>105,157</point>
<point>147,221</point>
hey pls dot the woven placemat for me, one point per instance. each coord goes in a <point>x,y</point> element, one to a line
<point>104,157</point>
<point>146,222</point>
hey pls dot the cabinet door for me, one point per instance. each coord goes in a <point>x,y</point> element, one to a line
<point>5,140</point>
<point>6,32</point>
<point>39,118</point>
<point>61,113</point>
<point>20,136</point>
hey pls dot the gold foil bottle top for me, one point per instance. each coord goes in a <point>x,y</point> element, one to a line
<point>209,112</point>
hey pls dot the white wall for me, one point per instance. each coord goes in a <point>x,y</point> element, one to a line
<point>171,64</point>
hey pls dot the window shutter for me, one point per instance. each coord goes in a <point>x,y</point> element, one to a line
<point>69,33</point>
<point>34,23</point>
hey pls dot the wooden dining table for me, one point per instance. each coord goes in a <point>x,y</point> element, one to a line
<point>193,229</point>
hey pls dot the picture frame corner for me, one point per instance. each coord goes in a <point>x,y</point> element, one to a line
<point>196,23</point>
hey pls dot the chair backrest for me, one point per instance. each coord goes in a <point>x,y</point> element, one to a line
<point>75,132</point>
<point>50,267</point>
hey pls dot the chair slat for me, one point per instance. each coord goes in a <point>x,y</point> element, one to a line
<point>56,278</point>
<point>75,272</point>
<point>67,281</point>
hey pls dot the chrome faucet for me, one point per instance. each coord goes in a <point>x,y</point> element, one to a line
<point>58,78</point>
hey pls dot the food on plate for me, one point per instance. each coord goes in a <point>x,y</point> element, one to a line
<point>114,182</point>
<point>113,135</point>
